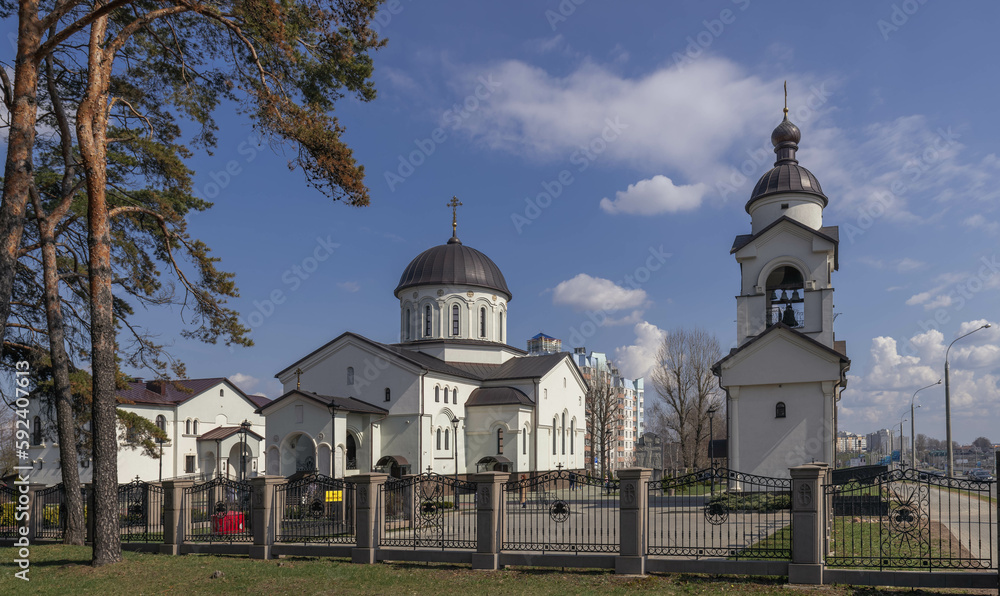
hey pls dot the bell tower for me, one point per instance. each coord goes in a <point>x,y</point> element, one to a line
<point>784,378</point>
<point>788,259</point>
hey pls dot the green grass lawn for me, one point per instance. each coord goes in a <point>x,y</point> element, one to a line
<point>61,570</point>
<point>776,546</point>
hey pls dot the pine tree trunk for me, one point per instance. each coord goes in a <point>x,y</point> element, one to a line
<point>76,526</point>
<point>18,170</point>
<point>92,138</point>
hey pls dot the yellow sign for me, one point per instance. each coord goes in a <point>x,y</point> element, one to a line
<point>334,496</point>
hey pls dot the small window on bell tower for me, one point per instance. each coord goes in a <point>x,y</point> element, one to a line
<point>779,410</point>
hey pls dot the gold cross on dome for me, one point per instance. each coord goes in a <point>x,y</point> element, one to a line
<point>454,204</point>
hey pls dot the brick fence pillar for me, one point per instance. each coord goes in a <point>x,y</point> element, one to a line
<point>808,526</point>
<point>369,515</point>
<point>262,516</point>
<point>175,519</point>
<point>489,505</point>
<point>632,501</point>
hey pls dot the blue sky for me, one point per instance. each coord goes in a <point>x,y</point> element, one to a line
<point>647,123</point>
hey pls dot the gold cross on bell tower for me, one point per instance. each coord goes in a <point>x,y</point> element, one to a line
<point>454,204</point>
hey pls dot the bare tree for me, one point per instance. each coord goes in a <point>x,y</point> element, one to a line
<point>683,379</point>
<point>602,414</point>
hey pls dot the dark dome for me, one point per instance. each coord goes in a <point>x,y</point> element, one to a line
<point>453,264</point>
<point>786,132</point>
<point>787,177</point>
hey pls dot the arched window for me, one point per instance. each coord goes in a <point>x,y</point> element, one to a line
<point>555,425</point>
<point>36,434</point>
<point>454,395</point>
<point>524,441</point>
<point>222,393</point>
<point>187,426</point>
<point>454,319</point>
<point>437,394</point>
<point>388,394</point>
<point>438,442</point>
<point>572,437</point>
<point>785,294</point>
<point>350,375</point>
<point>482,322</point>
<point>779,410</point>
<point>195,426</point>
<point>427,321</point>
<point>406,325</point>
<point>446,433</point>
<point>499,441</point>
<point>352,452</point>
<point>564,433</point>
<point>445,395</point>
<point>161,423</point>
<point>500,332</point>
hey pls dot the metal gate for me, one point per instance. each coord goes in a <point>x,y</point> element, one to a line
<point>560,511</point>
<point>315,508</point>
<point>8,509</point>
<point>428,510</point>
<point>49,511</point>
<point>218,511</point>
<point>908,519</point>
<point>140,512</point>
<point>720,513</point>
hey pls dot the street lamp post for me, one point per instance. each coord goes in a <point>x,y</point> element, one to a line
<point>913,425</point>
<point>244,428</point>
<point>947,401</point>
<point>332,406</point>
<point>902,419</point>
<point>711,433</point>
<point>454,425</point>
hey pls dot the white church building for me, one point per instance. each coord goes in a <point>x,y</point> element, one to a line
<point>451,397</point>
<point>202,419</point>
<point>784,378</point>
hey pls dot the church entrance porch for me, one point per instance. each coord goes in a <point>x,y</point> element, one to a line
<point>395,466</point>
<point>298,454</point>
<point>494,463</point>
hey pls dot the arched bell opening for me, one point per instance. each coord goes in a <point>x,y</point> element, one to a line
<point>785,297</point>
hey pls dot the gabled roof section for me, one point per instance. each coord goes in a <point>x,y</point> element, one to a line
<point>831,233</point>
<point>498,396</point>
<point>529,367</point>
<point>224,432</point>
<point>347,404</point>
<point>173,393</point>
<point>717,367</point>
<point>413,357</point>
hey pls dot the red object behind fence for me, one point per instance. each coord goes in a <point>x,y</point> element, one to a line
<point>227,523</point>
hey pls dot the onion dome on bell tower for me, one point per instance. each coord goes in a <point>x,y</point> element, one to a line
<point>787,189</point>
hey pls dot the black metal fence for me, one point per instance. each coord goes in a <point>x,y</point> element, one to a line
<point>720,513</point>
<point>907,519</point>
<point>219,510</point>
<point>49,511</point>
<point>140,512</point>
<point>8,513</point>
<point>315,509</point>
<point>560,511</point>
<point>428,510</point>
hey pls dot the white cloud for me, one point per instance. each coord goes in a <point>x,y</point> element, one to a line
<point>882,395</point>
<point>635,360</point>
<point>679,118</point>
<point>939,301</point>
<point>908,264</point>
<point>981,223</point>
<point>350,286</point>
<point>920,298</point>
<point>584,292</point>
<point>244,382</point>
<point>654,196</point>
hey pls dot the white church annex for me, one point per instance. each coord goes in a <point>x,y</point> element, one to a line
<point>451,397</point>
<point>784,378</point>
